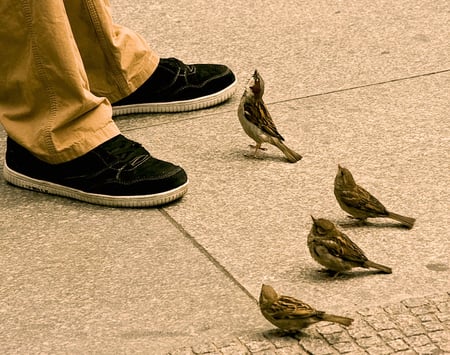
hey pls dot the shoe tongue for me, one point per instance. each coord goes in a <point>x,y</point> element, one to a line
<point>123,150</point>
<point>172,62</point>
<point>176,64</point>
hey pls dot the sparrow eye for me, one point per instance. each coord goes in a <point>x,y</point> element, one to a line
<point>320,231</point>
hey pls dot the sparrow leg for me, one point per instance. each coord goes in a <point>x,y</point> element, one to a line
<point>359,221</point>
<point>257,147</point>
<point>336,275</point>
<point>329,272</point>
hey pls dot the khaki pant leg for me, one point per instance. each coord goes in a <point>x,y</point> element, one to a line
<point>45,100</point>
<point>117,60</point>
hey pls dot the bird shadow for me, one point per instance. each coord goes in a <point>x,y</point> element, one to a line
<point>261,156</point>
<point>320,275</point>
<point>355,223</point>
<point>285,334</point>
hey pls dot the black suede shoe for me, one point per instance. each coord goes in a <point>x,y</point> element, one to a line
<point>118,173</point>
<point>177,87</point>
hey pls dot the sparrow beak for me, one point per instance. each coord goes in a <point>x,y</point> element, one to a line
<point>314,220</point>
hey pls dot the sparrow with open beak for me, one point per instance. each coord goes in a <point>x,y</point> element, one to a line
<point>257,122</point>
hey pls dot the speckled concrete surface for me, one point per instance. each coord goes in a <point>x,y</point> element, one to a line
<point>82,279</point>
<point>365,85</point>
<point>254,215</point>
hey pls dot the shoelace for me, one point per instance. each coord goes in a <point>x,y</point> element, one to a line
<point>179,64</point>
<point>128,153</point>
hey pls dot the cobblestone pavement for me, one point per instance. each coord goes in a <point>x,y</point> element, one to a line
<point>413,326</point>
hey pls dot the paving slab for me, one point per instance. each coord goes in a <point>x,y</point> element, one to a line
<point>77,278</point>
<point>302,48</point>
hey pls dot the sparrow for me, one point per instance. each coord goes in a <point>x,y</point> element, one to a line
<point>360,203</point>
<point>335,250</point>
<point>291,314</point>
<point>256,120</point>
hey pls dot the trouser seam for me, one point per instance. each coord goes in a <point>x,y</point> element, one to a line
<point>52,97</point>
<point>117,73</point>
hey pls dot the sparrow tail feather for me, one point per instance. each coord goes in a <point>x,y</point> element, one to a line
<point>337,319</point>
<point>407,221</point>
<point>291,156</point>
<point>382,268</point>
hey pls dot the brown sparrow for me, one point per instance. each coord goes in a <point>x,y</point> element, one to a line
<point>360,203</point>
<point>335,250</point>
<point>291,314</point>
<point>256,120</point>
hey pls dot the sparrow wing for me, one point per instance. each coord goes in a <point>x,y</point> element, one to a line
<point>363,200</point>
<point>342,247</point>
<point>290,308</point>
<point>257,113</point>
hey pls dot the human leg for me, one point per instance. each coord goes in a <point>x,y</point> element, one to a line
<point>117,60</point>
<point>61,137</point>
<point>122,67</point>
<point>45,98</point>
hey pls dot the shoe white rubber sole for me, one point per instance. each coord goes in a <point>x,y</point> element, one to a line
<point>177,106</point>
<point>29,183</point>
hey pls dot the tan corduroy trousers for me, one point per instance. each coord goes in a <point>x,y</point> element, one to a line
<point>61,64</point>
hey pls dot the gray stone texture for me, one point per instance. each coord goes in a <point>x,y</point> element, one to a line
<point>364,84</point>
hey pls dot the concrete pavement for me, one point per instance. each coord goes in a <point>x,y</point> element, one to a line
<point>364,84</point>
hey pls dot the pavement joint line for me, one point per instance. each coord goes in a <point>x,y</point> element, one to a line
<point>380,83</point>
<point>336,91</point>
<point>206,253</point>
